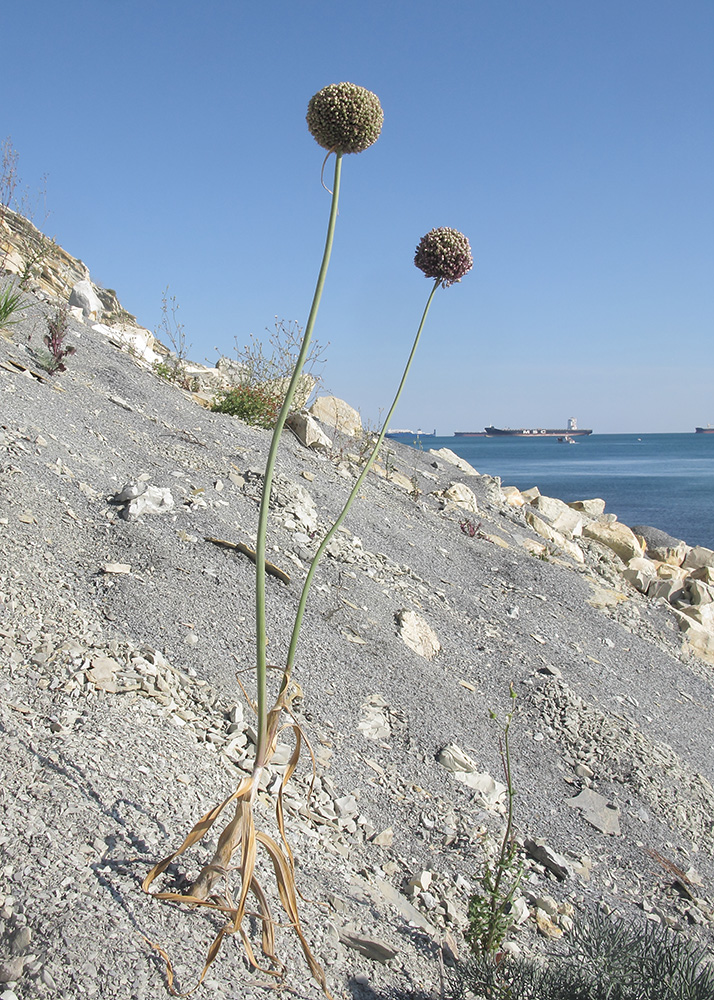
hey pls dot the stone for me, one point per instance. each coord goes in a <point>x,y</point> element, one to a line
<point>550,859</point>
<point>555,537</point>
<point>447,455</point>
<point>559,515</point>
<point>640,573</point>
<point>490,793</point>
<point>530,495</point>
<point>154,500</point>
<point>513,496</point>
<point>417,634</point>
<point>378,951</point>
<point>617,537</point>
<point>592,508</point>
<point>705,574</point>
<point>701,613</point>
<point>11,970</point>
<point>462,496</point>
<point>661,546</point>
<point>600,813</point>
<point>422,881</point>
<point>700,592</point>
<point>699,557</point>
<point>307,430</point>
<point>669,590</point>
<point>85,298</point>
<point>101,673</point>
<point>338,414</point>
<point>385,838</point>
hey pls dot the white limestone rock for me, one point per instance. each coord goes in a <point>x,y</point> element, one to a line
<point>308,431</point>
<point>447,455</point>
<point>85,298</point>
<point>617,537</point>
<point>336,413</point>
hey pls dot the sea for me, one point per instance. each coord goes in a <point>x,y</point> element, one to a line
<point>662,480</point>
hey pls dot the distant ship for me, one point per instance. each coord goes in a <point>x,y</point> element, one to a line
<point>397,432</point>
<point>704,430</point>
<point>572,430</point>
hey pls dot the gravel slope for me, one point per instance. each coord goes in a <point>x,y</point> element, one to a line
<point>118,697</point>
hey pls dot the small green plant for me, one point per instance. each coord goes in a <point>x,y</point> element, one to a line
<point>57,350</point>
<point>606,959</point>
<point>489,911</point>
<point>255,405</point>
<point>269,365</point>
<point>10,305</point>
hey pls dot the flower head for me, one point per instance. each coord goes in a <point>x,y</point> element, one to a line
<point>444,254</point>
<point>345,118</point>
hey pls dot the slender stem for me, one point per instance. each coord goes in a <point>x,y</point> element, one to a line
<point>355,490</point>
<point>270,468</point>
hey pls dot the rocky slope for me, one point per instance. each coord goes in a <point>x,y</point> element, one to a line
<point>123,625</point>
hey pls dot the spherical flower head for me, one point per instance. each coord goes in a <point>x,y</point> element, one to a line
<point>345,118</point>
<point>444,254</point>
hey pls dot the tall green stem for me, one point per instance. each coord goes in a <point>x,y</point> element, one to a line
<point>355,490</point>
<point>270,468</point>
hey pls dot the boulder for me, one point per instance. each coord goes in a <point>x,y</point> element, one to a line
<point>85,298</point>
<point>559,514</point>
<point>700,592</point>
<point>698,557</point>
<point>308,431</point>
<point>336,413</point>
<point>661,546</point>
<point>669,590</point>
<point>592,508</point>
<point>615,536</point>
<point>551,535</point>
<point>462,496</point>
<point>703,614</point>
<point>704,573</point>
<point>513,496</point>
<point>531,494</point>
<point>453,459</point>
<point>641,573</point>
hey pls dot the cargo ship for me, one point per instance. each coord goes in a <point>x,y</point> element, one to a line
<point>704,430</point>
<point>572,430</point>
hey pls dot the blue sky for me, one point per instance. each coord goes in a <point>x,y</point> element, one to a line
<point>571,141</point>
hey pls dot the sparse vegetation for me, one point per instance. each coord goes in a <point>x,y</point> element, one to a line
<point>268,366</point>
<point>606,959</point>
<point>10,305</point>
<point>57,351</point>
<point>171,331</point>
<point>255,405</point>
<point>490,910</point>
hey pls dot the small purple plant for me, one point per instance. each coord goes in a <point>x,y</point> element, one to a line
<point>54,341</point>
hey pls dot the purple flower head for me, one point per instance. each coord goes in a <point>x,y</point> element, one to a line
<point>444,254</point>
<point>345,118</point>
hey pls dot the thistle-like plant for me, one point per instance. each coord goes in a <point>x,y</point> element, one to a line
<point>57,350</point>
<point>343,118</point>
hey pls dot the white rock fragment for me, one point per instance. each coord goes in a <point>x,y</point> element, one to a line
<point>491,793</point>
<point>417,634</point>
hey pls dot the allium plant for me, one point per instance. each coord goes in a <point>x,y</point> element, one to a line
<point>343,118</point>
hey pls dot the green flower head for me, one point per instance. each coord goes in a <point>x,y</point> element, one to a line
<point>444,254</point>
<point>345,118</point>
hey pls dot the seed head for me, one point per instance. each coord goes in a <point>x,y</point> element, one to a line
<point>345,118</point>
<point>444,254</point>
